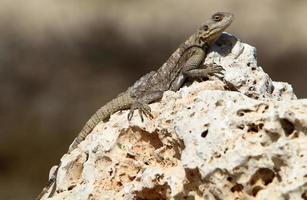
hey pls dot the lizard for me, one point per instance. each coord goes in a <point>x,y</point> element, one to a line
<point>185,62</point>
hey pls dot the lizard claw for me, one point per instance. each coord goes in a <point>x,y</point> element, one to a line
<point>214,69</point>
<point>206,71</point>
<point>143,109</point>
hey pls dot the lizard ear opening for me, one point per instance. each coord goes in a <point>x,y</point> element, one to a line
<point>205,27</point>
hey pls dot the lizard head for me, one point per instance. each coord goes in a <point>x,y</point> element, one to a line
<point>211,30</point>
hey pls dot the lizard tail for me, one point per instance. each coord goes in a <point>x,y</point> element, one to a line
<point>47,187</point>
<point>122,101</point>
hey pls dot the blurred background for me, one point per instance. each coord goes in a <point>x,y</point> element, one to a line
<point>60,60</point>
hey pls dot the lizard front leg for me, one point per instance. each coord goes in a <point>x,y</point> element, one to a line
<point>192,66</point>
<point>191,59</point>
<point>209,70</point>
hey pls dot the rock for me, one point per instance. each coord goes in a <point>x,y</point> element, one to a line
<point>204,142</point>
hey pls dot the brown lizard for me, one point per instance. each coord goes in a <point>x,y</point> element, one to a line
<point>185,62</point>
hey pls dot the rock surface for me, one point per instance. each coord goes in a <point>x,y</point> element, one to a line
<point>204,142</point>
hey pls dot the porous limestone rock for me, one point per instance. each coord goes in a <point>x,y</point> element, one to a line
<point>243,137</point>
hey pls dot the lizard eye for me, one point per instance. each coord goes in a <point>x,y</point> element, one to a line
<point>217,17</point>
<point>205,27</point>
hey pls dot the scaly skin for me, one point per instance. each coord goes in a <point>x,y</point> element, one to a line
<point>185,62</point>
<point>121,102</point>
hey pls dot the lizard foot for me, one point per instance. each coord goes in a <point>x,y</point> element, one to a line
<point>213,70</point>
<point>143,109</point>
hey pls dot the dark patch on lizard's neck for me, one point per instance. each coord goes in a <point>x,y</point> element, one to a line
<point>202,41</point>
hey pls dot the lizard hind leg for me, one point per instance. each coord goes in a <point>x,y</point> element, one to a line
<point>142,104</point>
<point>143,108</point>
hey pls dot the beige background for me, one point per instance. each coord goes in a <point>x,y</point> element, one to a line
<point>61,60</point>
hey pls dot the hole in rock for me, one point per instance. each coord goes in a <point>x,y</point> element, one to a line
<point>204,133</point>
<point>158,192</point>
<point>237,188</point>
<point>229,178</point>
<point>254,127</point>
<point>273,136</point>
<point>287,126</point>
<point>71,187</point>
<point>242,112</point>
<point>265,175</point>
<point>255,190</point>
